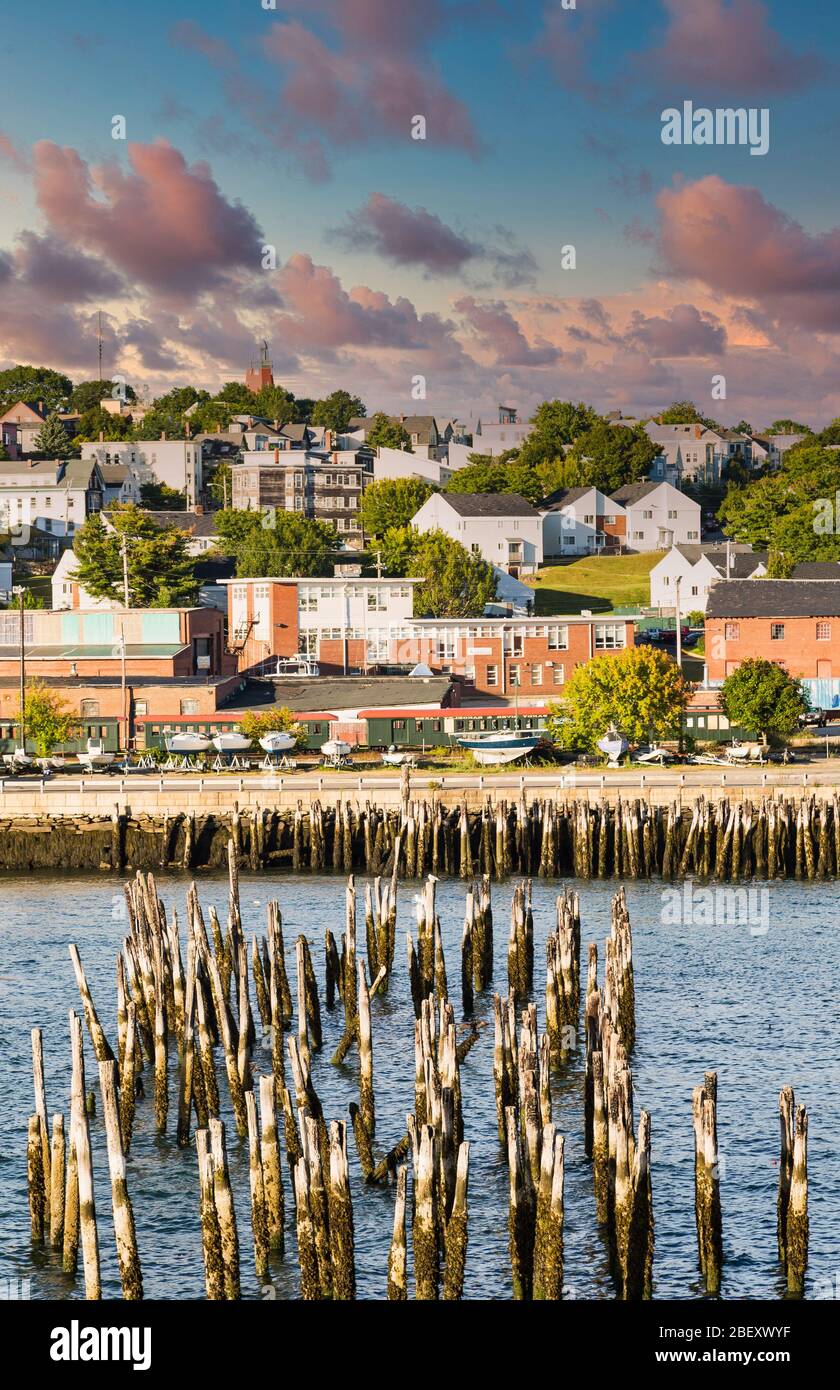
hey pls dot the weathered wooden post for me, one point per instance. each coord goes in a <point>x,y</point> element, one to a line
<point>127,1256</point>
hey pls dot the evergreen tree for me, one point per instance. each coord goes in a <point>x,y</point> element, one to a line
<point>161,571</point>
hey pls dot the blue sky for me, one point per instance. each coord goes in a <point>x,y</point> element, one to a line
<point>553,138</point>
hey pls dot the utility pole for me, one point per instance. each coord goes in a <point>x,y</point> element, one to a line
<point>20,591</point>
<point>124,553</point>
<point>679,624</point>
<point>123,704</point>
<point>379,564</point>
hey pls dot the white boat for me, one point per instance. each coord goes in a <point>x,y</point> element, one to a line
<point>336,751</point>
<point>298,665</point>
<point>231,742</point>
<point>745,752</point>
<point>187,743</point>
<point>96,754</point>
<point>393,757</point>
<point>500,745</point>
<point>280,741</point>
<point>654,754</point>
<point>18,760</point>
<point>614,744</point>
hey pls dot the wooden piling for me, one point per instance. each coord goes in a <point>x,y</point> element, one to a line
<point>126,1238</point>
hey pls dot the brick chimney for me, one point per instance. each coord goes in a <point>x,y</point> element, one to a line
<point>218,426</point>
<point>328,439</point>
<point>101,436</point>
<point>698,430</point>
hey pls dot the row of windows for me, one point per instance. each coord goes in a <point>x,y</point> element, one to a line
<point>558,675</point>
<point>732,632</point>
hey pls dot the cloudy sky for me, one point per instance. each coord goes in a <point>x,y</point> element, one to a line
<point>291,128</point>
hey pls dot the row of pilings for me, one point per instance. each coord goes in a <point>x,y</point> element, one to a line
<point>630,839</point>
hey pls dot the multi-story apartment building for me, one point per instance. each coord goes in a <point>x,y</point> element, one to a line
<point>326,486</point>
<point>794,622</point>
<point>55,496</point>
<point>175,462</point>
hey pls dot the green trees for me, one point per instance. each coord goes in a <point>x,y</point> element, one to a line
<point>53,440</point>
<point>386,433</point>
<point>456,584</point>
<point>160,569</point>
<point>160,498</point>
<point>96,421</point>
<point>34,384</point>
<point>336,410</point>
<point>790,512</point>
<point>608,456</point>
<point>686,413</point>
<point>555,423</point>
<point>787,427</point>
<point>48,721</point>
<point>640,690</point>
<point>87,394</point>
<point>391,502</point>
<point>498,477</point>
<point>254,724</point>
<point>274,403</point>
<point>280,544</point>
<point>761,696</point>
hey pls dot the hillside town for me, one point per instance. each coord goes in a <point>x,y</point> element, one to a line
<point>172,569</point>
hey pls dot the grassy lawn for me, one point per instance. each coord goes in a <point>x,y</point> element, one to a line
<point>599,582</point>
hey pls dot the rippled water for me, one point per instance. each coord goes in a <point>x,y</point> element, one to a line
<point>761,1009</point>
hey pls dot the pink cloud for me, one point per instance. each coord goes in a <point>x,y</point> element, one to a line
<point>166,224</point>
<point>498,332</point>
<point>10,154</point>
<point>734,241</point>
<point>683,332</point>
<point>727,45</point>
<point>406,236</point>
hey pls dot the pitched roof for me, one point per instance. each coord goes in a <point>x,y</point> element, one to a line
<point>501,504</point>
<point>742,564</point>
<point>563,497</point>
<point>817,569</point>
<point>633,492</point>
<point>193,523</point>
<point>774,598</point>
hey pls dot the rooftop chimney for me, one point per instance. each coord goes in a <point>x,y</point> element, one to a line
<point>276,455</point>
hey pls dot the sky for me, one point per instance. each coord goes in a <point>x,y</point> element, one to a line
<point>269,185</point>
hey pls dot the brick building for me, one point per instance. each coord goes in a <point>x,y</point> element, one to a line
<point>359,625</point>
<point>794,622</point>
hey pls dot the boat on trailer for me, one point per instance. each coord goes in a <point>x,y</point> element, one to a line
<point>188,743</point>
<point>500,745</point>
<point>231,742</point>
<point>279,741</point>
<point>614,744</point>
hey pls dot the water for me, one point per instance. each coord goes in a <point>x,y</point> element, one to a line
<point>761,1009</point>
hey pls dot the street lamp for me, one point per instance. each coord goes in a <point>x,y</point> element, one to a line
<point>20,591</point>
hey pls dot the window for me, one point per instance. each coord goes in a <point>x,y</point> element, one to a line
<point>694,590</point>
<point>777,632</point>
<point>398,724</point>
<point>693,535</point>
<point>732,632</point>
<point>638,535</point>
<point>672,516</point>
<point>609,636</point>
<point>536,675</point>
<point>568,540</point>
<point>492,675</point>
<point>823,632</point>
<point>558,675</point>
<point>141,707</point>
<point>647,516</point>
<point>514,676</point>
<point>558,638</point>
<point>517,644</point>
<point>589,520</point>
<point>89,709</point>
<point>309,601</point>
<point>377,601</point>
<point>189,706</point>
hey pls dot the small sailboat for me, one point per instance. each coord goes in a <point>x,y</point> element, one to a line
<point>231,742</point>
<point>614,744</point>
<point>279,741</point>
<point>187,743</point>
<point>497,746</point>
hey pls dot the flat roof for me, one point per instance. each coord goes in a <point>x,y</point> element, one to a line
<point>152,650</point>
<point>540,620</point>
<point>339,580</point>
